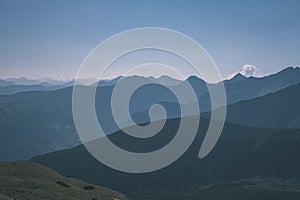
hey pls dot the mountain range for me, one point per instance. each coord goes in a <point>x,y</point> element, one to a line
<point>38,122</point>
<point>241,153</point>
<point>255,157</point>
<point>275,110</point>
<point>15,85</point>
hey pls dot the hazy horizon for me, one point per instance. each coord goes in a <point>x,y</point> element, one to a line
<point>228,77</point>
<point>52,38</point>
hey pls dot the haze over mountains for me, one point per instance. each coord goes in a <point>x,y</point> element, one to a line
<point>37,122</point>
<point>275,110</point>
<point>22,84</point>
<point>255,157</point>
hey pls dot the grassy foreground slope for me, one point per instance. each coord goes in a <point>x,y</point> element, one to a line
<point>26,180</point>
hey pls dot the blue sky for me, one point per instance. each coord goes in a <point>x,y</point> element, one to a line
<point>52,38</point>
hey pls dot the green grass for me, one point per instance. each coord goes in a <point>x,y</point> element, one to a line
<point>26,180</point>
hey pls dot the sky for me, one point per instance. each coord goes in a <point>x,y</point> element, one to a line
<point>52,38</point>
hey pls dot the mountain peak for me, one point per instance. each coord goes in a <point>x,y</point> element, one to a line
<point>238,77</point>
<point>194,78</point>
<point>290,69</point>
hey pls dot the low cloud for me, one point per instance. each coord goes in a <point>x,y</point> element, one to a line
<point>247,70</point>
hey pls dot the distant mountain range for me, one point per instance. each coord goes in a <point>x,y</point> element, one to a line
<point>33,122</point>
<point>255,157</point>
<point>275,110</point>
<point>242,88</point>
<point>15,85</point>
<point>38,122</point>
<point>26,180</point>
<point>247,88</point>
<point>4,83</point>
<point>13,89</point>
<point>42,81</point>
